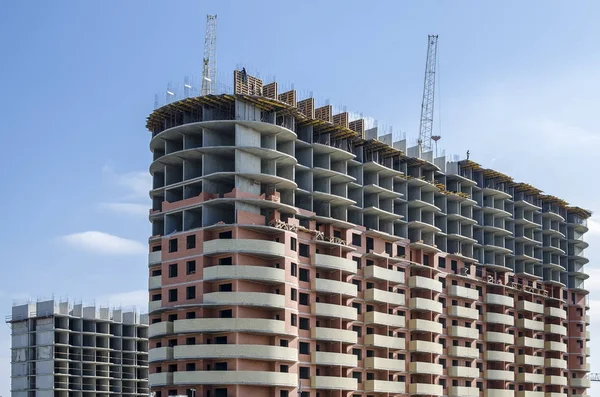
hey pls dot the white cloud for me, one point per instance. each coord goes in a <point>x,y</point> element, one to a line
<point>136,298</point>
<point>104,243</point>
<point>135,184</point>
<point>126,208</point>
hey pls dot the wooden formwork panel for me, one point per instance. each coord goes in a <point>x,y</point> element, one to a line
<point>270,90</point>
<point>341,119</point>
<point>246,85</point>
<point>324,113</point>
<point>307,107</point>
<point>288,97</point>
<point>358,126</point>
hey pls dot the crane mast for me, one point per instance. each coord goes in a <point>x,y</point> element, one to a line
<point>426,126</point>
<point>209,62</point>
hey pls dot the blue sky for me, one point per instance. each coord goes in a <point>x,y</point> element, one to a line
<point>79,79</point>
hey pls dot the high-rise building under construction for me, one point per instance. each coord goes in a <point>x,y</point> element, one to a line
<point>296,253</point>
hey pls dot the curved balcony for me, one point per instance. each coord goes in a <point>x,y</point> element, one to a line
<point>255,299</point>
<point>381,273</point>
<point>243,272</point>
<point>555,346</point>
<point>425,368</point>
<point>463,332</point>
<point>422,346</point>
<point>257,378</point>
<point>333,383</point>
<point>385,386</point>
<point>423,205</point>
<point>250,325</point>
<point>385,364</point>
<point>333,311</point>
<point>463,312</point>
<point>498,318</point>
<point>555,380</point>
<point>336,176</point>
<point>383,192</point>
<point>160,354</point>
<point>333,359</point>
<point>552,215</point>
<point>497,193</point>
<point>160,379</point>
<point>526,359</point>
<point>460,351</point>
<point>390,342</point>
<point>530,307</point>
<point>555,329</point>
<point>424,283</point>
<point>334,335</point>
<point>154,306</point>
<point>155,282</point>
<point>530,342</point>
<point>463,372</point>
<point>161,328</point>
<point>530,378</point>
<point>495,374</point>
<point>463,292</point>
<point>464,220</point>
<point>326,286</point>
<point>463,391</point>
<point>269,249</point>
<point>377,295</point>
<point>424,304</point>
<point>556,312</point>
<point>493,355</point>
<point>334,199</point>
<point>580,382</point>
<point>555,363</point>
<point>529,393</point>
<point>391,320</point>
<point>497,212</point>
<point>530,324</point>
<point>255,352</point>
<point>499,337</point>
<point>495,299</point>
<point>426,227</point>
<point>425,326</point>
<point>499,393</point>
<point>425,389</point>
<point>334,263</point>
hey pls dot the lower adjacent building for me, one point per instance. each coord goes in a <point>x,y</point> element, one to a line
<point>296,253</point>
<point>63,350</point>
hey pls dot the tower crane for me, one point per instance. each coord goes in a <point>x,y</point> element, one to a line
<point>426,126</point>
<point>209,62</point>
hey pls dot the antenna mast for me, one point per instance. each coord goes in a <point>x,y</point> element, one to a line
<point>209,62</point>
<point>426,127</point>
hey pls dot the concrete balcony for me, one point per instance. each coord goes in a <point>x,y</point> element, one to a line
<point>269,249</point>
<point>528,393</point>
<point>334,335</point>
<point>463,312</point>
<point>555,363</point>
<point>550,394</point>
<point>556,312</point>
<point>425,347</point>
<point>460,351</point>
<point>385,341</point>
<point>386,364</point>
<point>377,295</point>
<point>587,335</point>
<point>463,332</point>
<point>256,378</point>
<point>495,299</point>
<point>255,352</point>
<point>250,273</point>
<point>250,325</point>
<point>160,379</point>
<point>463,292</point>
<point>384,386</point>
<point>425,389</point>
<point>555,380</point>
<point>425,326</point>
<point>425,368</point>
<point>392,320</point>
<point>335,311</point>
<point>526,359</point>
<point>498,318</point>
<point>334,287</point>
<point>327,358</point>
<point>580,382</point>
<point>424,283</point>
<point>256,299</point>
<point>498,393</point>
<point>154,258</point>
<point>463,391</point>
<point>332,383</point>
<point>530,324</point>
<point>495,374</point>
<point>162,328</point>
<point>334,263</point>
<point>499,337</point>
<point>555,329</point>
<point>493,355</point>
<point>530,342</point>
<point>155,282</point>
<point>530,378</point>
<point>154,306</point>
<point>556,346</point>
<point>160,354</point>
<point>425,304</point>
<point>380,273</point>
<point>463,372</point>
<point>530,307</point>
